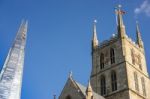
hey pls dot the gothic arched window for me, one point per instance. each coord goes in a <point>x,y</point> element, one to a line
<point>139,62</point>
<point>112,55</point>
<point>68,97</point>
<point>133,56</point>
<point>136,81</point>
<point>143,86</point>
<point>101,60</point>
<point>103,85</point>
<point>113,80</point>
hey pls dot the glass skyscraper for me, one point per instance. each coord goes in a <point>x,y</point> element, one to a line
<point>12,71</point>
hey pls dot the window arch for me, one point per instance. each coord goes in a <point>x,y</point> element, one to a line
<point>103,85</point>
<point>68,97</point>
<point>136,81</point>
<point>133,56</point>
<point>101,60</point>
<point>113,80</point>
<point>143,86</point>
<point>112,55</point>
<point>139,62</point>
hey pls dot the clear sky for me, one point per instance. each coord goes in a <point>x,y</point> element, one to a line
<point>59,37</point>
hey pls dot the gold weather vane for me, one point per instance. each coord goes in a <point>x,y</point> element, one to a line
<point>118,9</point>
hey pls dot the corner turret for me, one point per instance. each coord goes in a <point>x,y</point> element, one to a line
<point>89,91</point>
<point>121,27</point>
<point>94,39</point>
<point>139,38</point>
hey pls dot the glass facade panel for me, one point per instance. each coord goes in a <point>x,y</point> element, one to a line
<point>11,74</point>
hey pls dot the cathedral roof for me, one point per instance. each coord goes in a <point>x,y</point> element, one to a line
<point>73,86</point>
<point>83,90</point>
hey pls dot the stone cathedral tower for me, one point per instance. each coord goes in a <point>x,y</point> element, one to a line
<point>12,71</point>
<point>119,69</point>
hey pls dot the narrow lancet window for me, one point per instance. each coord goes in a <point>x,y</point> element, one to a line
<point>112,55</point>
<point>102,61</point>
<point>136,81</point>
<point>103,85</point>
<point>143,86</point>
<point>132,56</point>
<point>139,62</point>
<point>113,80</point>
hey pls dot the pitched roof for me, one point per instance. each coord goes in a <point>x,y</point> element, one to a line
<point>83,90</point>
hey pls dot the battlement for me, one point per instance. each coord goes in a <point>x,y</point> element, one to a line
<point>113,38</point>
<point>131,41</point>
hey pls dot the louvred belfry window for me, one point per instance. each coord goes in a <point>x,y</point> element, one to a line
<point>103,85</point>
<point>113,80</point>
<point>133,56</point>
<point>139,62</point>
<point>136,81</point>
<point>112,55</point>
<point>143,86</point>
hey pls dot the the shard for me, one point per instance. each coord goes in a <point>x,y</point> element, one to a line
<point>12,71</point>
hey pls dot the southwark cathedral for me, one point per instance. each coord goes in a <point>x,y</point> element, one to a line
<point>119,69</point>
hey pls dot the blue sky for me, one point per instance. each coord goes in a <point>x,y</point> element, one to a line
<point>59,37</point>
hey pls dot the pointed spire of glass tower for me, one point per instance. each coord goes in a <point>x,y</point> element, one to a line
<point>12,71</point>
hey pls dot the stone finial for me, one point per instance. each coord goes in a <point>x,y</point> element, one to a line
<point>89,91</point>
<point>94,39</point>
<point>139,38</point>
<point>121,27</point>
<point>70,74</point>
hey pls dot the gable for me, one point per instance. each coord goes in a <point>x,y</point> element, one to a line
<point>71,89</point>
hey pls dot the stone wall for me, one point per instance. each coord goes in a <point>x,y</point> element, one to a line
<point>119,67</point>
<point>138,52</point>
<point>124,68</point>
<point>70,90</point>
<point>121,95</point>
